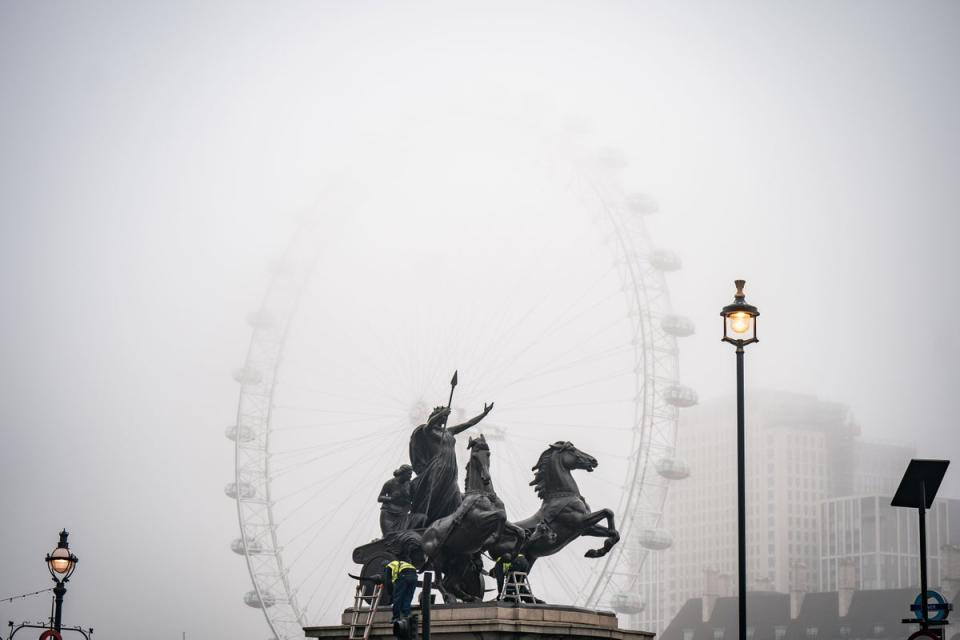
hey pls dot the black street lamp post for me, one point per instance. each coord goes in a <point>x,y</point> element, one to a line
<point>740,329</point>
<point>61,563</point>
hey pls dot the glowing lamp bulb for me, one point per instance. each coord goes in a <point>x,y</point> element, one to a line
<point>60,565</point>
<point>60,560</point>
<point>740,322</point>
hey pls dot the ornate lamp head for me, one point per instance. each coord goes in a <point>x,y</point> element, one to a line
<point>61,562</point>
<point>740,319</point>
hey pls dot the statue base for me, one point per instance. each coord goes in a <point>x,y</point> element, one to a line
<point>495,621</point>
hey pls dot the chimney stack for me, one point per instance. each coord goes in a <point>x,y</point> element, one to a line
<point>798,587</point>
<point>711,589</point>
<point>846,584</point>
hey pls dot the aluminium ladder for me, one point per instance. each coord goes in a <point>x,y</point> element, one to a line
<point>516,587</point>
<point>360,599</point>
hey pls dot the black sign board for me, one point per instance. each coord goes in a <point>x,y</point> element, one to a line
<point>920,484</point>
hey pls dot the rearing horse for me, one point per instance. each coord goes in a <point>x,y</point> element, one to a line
<point>564,515</point>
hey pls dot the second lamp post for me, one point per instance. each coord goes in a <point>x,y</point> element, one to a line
<point>61,562</point>
<point>740,329</point>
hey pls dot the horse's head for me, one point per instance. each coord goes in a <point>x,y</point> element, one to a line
<point>478,468</point>
<point>552,471</point>
<point>573,458</point>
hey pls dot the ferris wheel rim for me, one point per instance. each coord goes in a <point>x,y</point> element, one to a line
<point>647,386</point>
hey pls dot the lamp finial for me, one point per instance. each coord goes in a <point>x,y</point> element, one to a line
<point>739,284</point>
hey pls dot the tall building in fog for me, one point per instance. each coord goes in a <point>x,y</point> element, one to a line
<point>800,451</point>
<point>880,542</point>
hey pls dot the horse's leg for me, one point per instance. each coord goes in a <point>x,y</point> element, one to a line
<point>447,596</point>
<point>501,520</point>
<point>593,528</point>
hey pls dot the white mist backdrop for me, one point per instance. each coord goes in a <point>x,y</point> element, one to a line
<point>157,158</point>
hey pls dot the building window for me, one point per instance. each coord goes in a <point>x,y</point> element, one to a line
<point>779,632</point>
<point>688,634</point>
<point>812,632</point>
<point>718,634</point>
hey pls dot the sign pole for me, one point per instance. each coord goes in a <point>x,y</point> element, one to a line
<point>923,556</point>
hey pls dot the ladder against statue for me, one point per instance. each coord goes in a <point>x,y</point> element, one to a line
<point>516,587</point>
<point>364,606</point>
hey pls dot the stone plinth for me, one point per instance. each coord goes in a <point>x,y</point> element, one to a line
<point>496,621</point>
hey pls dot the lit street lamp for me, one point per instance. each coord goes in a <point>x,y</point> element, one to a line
<point>61,563</point>
<point>740,329</point>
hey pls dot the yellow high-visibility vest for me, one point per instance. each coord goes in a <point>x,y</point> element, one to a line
<point>397,566</point>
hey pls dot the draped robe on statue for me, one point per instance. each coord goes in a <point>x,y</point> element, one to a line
<point>434,459</point>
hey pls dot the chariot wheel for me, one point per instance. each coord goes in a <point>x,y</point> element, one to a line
<point>518,260</point>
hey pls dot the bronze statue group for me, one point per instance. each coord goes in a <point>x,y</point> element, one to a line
<point>428,524</point>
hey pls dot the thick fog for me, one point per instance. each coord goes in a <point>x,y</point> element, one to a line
<point>158,160</point>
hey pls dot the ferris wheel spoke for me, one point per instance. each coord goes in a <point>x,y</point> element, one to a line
<point>614,456</point>
<point>302,409</point>
<point>383,447</point>
<point>575,386</point>
<point>590,358</point>
<point>322,391</point>
<point>602,331</point>
<point>540,335</point>
<point>379,397</point>
<point>556,405</point>
<point>591,427</point>
<point>327,425</point>
<point>338,551</point>
<point>371,377</point>
<point>326,445</point>
<point>329,518</point>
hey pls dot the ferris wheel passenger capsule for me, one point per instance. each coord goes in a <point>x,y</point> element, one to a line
<point>247,375</point>
<point>677,326</point>
<point>240,433</point>
<point>244,490</point>
<point>665,260</point>
<point>264,600</point>
<point>627,603</point>
<point>656,539</point>
<point>252,547</point>
<point>680,396</point>
<point>673,468</point>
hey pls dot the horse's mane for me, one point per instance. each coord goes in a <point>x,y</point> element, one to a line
<point>541,470</point>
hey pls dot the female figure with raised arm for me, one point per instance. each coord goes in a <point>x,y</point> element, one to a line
<point>434,458</point>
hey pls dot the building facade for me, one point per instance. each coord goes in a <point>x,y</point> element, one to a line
<point>800,452</point>
<point>881,542</point>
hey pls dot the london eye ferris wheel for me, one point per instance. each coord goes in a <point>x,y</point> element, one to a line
<point>512,254</point>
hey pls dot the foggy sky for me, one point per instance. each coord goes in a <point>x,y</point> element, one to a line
<point>155,159</point>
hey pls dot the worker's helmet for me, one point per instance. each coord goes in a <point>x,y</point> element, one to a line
<point>506,557</point>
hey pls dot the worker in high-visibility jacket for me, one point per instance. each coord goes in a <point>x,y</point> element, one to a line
<point>501,567</point>
<point>402,578</point>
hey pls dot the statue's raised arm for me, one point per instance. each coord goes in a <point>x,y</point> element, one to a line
<point>433,456</point>
<point>487,408</point>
